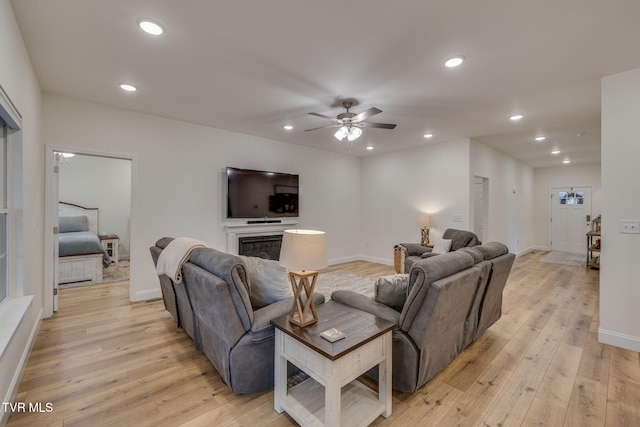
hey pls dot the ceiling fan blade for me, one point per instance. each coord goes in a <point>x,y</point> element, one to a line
<point>366,114</point>
<point>377,125</point>
<point>323,116</point>
<point>324,127</point>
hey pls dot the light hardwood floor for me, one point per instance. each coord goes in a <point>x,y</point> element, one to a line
<point>103,361</point>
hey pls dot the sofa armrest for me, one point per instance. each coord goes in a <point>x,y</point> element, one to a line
<point>263,316</point>
<point>361,302</point>
<point>415,249</point>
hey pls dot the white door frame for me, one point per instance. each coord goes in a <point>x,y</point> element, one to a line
<point>51,204</point>
<point>484,209</point>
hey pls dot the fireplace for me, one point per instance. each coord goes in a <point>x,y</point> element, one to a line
<point>267,247</point>
<point>243,233</point>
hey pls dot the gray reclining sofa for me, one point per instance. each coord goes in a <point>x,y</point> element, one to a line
<point>449,301</point>
<point>212,305</point>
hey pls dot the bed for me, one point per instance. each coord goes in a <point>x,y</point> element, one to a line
<point>81,256</point>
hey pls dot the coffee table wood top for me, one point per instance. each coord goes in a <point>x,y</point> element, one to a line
<point>358,326</point>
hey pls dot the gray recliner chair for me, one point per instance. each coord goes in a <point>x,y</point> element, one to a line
<point>433,324</point>
<point>459,239</point>
<point>238,339</point>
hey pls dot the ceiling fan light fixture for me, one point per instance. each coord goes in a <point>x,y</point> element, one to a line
<point>341,133</point>
<point>354,133</point>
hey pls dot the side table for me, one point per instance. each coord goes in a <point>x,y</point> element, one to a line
<point>331,395</point>
<point>110,243</point>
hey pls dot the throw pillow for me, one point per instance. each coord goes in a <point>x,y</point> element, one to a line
<point>268,281</point>
<point>441,246</point>
<point>392,290</point>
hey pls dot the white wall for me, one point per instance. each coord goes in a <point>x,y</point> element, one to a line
<point>18,321</point>
<point>178,173</point>
<point>104,183</point>
<point>619,282</point>
<point>510,197</point>
<point>398,187</point>
<point>562,176</point>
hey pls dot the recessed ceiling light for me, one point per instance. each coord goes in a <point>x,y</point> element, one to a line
<point>287,127</point>
<point>454,61</point>
<point>150,27</point>
<point>428,135</point>
<point>555,152</point>
<point>540,138</point>
<point>128,88</point>
<point>566,161</point>
<point>369,147</point>
<point>516,117</point>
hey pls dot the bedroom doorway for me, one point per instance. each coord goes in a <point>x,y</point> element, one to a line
<point>103,184</point>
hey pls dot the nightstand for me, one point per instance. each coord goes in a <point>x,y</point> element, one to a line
<point>110,243</point>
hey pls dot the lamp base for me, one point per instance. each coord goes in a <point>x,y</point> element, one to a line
<point>425,237</point>
<point>303,312</point>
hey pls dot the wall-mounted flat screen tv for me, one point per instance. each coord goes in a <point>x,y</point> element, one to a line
<point>261,194</point>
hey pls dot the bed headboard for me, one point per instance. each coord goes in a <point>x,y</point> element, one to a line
<point>69,209</point>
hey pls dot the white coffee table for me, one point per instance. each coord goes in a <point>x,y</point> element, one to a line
<point>331,396</point>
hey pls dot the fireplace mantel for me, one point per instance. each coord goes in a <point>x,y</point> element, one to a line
<point>235,230</point>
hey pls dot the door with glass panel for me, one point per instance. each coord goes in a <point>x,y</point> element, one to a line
<point>570,218</point>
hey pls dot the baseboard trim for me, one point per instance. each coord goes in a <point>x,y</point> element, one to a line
<point>146,295</point>
<point>384,261</point>
<point>531,249</point>
<point>342,260</point>
<point>619,340</point>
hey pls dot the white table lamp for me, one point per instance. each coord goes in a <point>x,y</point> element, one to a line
<point>303,253</point>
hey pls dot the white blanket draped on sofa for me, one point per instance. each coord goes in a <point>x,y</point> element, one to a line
<point>175,255</point>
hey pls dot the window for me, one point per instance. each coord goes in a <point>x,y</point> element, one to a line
<point>571,197</point>
<point>3,210</point>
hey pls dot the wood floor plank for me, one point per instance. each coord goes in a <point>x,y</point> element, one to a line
<point>588,404</point>
<point>102,360</point>
<point>623,404</point>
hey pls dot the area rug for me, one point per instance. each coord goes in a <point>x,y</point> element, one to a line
<point>566,258</point>
<point>334,280</point>
<point>116,272</point>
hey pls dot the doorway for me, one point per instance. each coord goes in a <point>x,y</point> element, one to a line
<point>93,180</point>
<point>480,206</point>
<point>570,218</point>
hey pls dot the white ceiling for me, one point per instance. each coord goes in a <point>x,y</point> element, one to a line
<point>253,66</point>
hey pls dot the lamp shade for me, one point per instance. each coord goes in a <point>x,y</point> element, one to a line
<point>303,250</point>
<point>424,221</point>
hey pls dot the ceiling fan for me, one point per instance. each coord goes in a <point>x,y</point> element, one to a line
<point>349,123</point>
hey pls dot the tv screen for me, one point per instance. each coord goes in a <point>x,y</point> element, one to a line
<point>261,194</point>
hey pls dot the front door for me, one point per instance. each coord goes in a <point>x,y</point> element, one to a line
<point>570,218</point>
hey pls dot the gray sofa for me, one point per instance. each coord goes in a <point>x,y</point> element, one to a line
<point>450,300</point>
<point>212,305</point>
<point>459,239</point>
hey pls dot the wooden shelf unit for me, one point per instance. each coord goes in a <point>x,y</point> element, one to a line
<point>594,246</point>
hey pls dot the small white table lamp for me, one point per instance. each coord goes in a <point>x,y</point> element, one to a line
<point>303,252</point>
<point>424,221</point>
